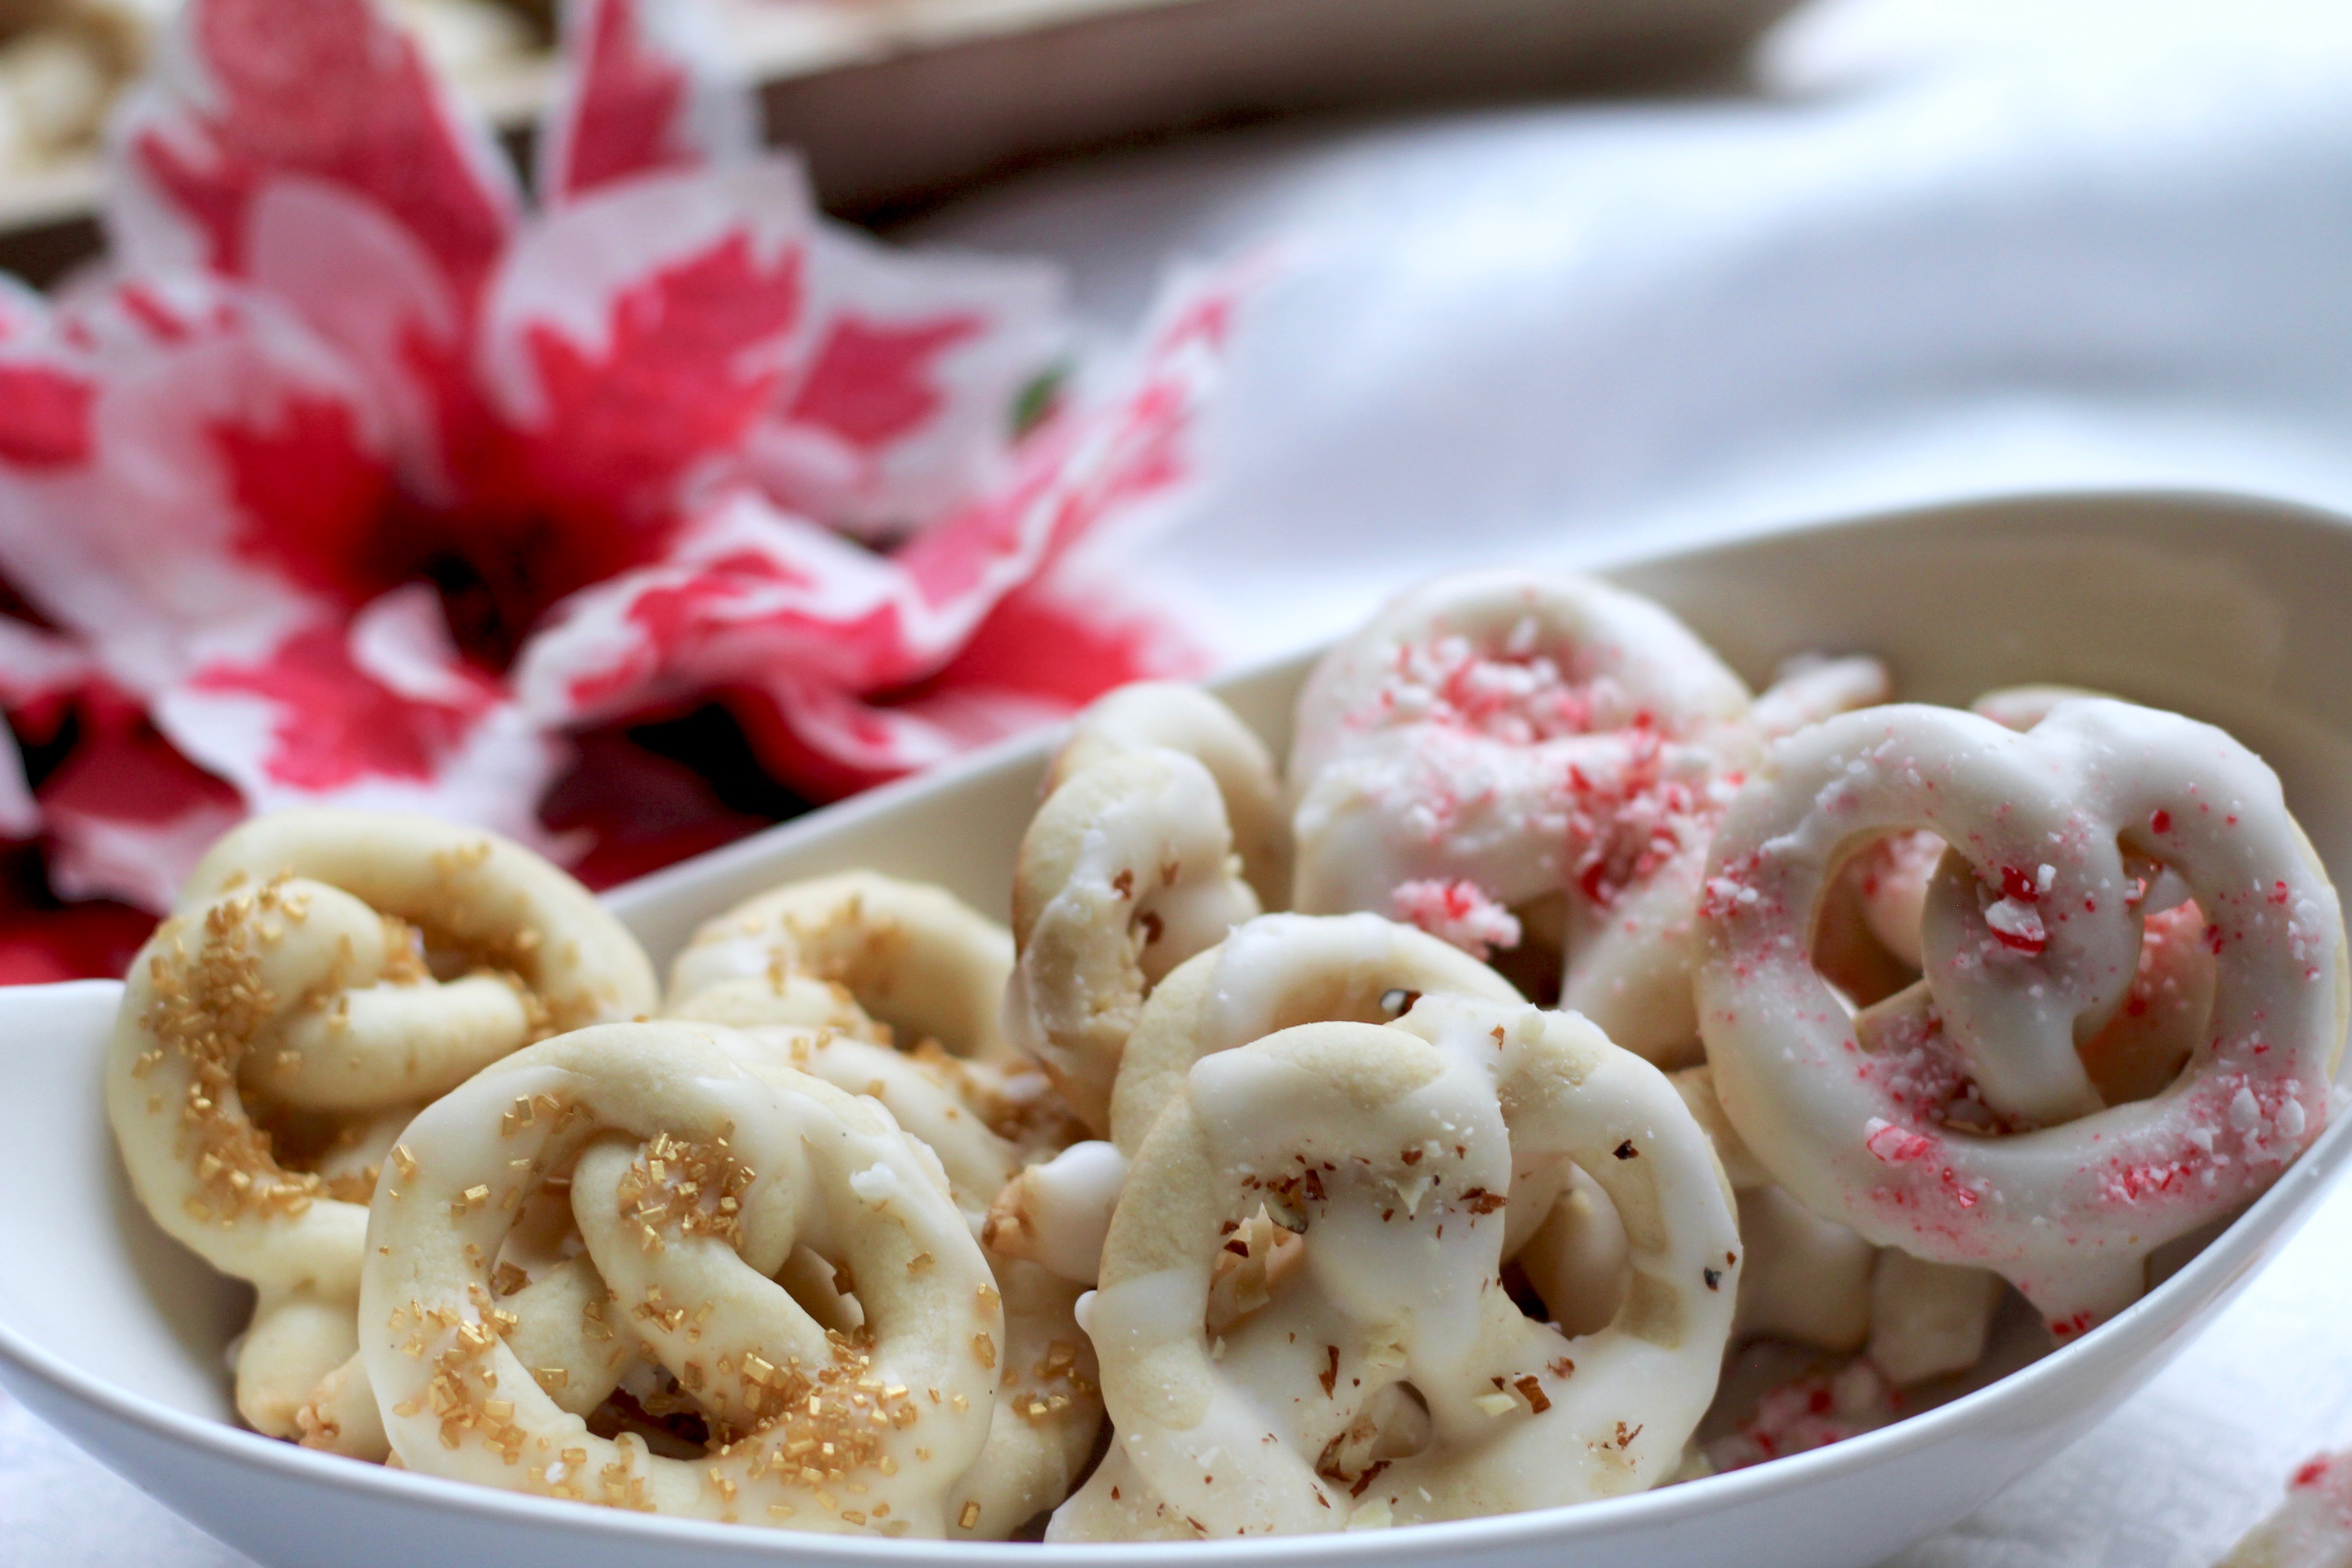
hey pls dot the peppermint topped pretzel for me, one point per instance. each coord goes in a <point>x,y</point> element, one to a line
<point>1957,1119</point>
<point>1513,756</point>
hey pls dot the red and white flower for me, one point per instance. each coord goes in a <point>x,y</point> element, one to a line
<point>352,478</point>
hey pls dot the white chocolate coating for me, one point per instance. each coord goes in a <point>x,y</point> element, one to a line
<point>1811,1281</point>
<point>1170,715</point>
<point>2039,944</point>
<point>1386,1151</point>
<point>1127,870</point>
<point>912,956</point>
<point>1057,1213</point>
<point>699,1166</point>
<point>1273,973</point>
<point>1502,739</point>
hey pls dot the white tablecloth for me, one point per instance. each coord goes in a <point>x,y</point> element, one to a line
<point>1947,249</point>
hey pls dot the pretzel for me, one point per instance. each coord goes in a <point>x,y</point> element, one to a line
<point>1972,1133</point>
<point>1273,973</point>
<point>1173,716</point>
<point>983,1121</point>
<point>278,1031</point>
<point>911,955</point>
<point>1383,1154</point>
<point>1516,757</point>
<point>1128,869</point>
<point>1812,1281</point>
<point>697,1171</point>
<point>1267,975</point>
<point>2312,1529</point>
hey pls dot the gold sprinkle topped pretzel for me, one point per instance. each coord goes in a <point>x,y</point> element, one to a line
<point>790,1298</point>
<point>825,948</point>
<point>326,974</point>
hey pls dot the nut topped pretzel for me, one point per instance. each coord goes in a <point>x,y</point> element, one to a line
<point>279,1029</point>
<point>1380,1373</point>
<point>696,1172</point>
<point>1130,869</point>
<point>1958,1118</point>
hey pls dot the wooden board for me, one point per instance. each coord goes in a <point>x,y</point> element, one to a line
<point>896,103</point>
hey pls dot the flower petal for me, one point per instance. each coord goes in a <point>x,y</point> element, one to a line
<point>246,93</point>
<point>908,392</point>
<point>1047,651</point>
<point>306,146</point>
<point>43,941</point>
<point>177,456</point>
<point>127,816</point>
<point>21,310</point>
<point>626,811</point>
<point>380,713</point>
<point>631,341</point>
<point>41,675</point>
<point>643,89</point>
<point>753,599</point>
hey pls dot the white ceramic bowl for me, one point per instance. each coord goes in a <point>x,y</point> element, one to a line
<point>2233,610</point>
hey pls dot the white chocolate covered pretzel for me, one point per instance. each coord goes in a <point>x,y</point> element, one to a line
<point>2312,1529</point>
<point>697,1171</point>
<point>1270,974</point>
<point>279,1029</point>
<point>909,955</point>
<point>1130,869</point>
<point>1957,1120</point>
<point>1172,716</point>
<point>1385,1152</point>
<point>1512,747</point>
<point>983,1120</point>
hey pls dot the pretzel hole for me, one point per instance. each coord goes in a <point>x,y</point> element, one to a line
<point>543,1235</point>
<point>1392,1424</point>
<point>650,1405</point>
<point>1537,962</point>
<point>1859,943</point>
<point>1574,1272</point>
<point>345,1151</point>
<point>2137,1053</point>
<point>824,1288</point>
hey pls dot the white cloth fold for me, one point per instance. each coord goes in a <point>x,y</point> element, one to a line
<point>1948,249</point>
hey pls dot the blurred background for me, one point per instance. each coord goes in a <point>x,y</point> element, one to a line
<point>1538,279</point>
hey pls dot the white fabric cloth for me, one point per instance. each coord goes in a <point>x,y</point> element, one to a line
<point>1947,249</point>
<point>1952,248</point>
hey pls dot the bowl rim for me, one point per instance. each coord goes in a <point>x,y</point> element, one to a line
<point>2221,1263</point>
<point>2224,1263</point>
